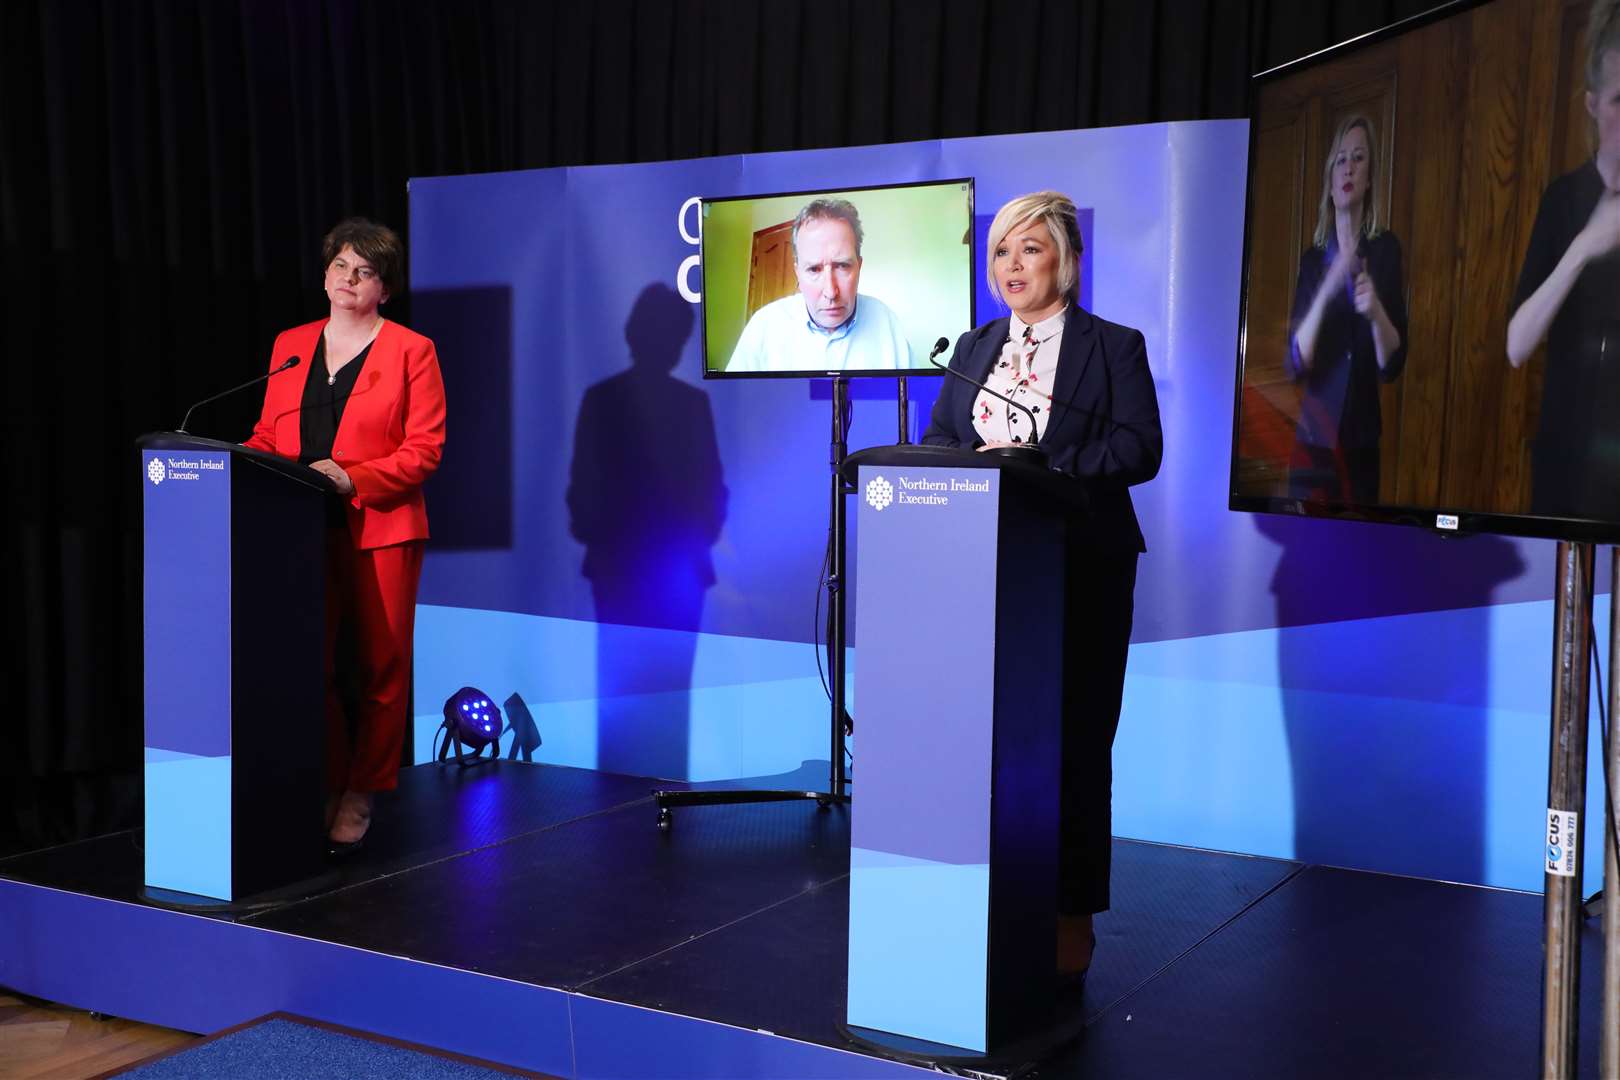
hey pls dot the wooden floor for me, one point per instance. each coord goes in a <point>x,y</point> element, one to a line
<point>40,1040</point>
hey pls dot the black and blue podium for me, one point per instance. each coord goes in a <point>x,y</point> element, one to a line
<point>953,851</point>
<point>234,609</point>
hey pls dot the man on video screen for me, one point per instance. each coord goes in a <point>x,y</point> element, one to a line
<point>829,325</point>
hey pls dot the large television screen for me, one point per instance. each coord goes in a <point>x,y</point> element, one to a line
<point>852,282</point>
<point>1430,327</point>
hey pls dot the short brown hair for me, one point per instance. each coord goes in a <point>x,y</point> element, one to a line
<point>377,244</point>
<point>829,210</point>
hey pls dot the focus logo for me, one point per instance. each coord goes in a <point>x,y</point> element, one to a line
<point>1562,841</point>
<point>155,471</point>
<point>879,493</point>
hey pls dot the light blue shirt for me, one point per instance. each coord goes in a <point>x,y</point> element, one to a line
<point>782,337</point>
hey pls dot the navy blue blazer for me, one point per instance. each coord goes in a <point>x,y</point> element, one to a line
<point>1104,426</point>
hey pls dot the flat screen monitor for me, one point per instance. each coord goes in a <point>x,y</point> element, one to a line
<point>1413,347</point>
<point>857,281</point>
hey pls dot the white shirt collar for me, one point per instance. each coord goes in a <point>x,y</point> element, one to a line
<point>1043,330</point>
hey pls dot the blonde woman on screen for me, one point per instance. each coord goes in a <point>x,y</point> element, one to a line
<point>1347,332</point>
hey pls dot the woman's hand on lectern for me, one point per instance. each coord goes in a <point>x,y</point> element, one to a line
<point>996,445</point>
<point>333,471</point>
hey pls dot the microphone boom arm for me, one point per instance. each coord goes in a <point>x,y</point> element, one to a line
<point>292,362</point>
<point>1034,428</point>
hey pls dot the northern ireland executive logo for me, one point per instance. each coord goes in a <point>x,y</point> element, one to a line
<point>155,471</point>
<point>879,493</point>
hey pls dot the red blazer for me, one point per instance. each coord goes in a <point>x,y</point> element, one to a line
<point>391,435</point>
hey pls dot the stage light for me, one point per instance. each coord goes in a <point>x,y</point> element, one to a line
<point>471,722</point>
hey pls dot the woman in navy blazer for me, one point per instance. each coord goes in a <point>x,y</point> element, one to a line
<point>1087,384</point>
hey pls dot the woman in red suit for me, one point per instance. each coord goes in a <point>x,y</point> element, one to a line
<point>370,415</point>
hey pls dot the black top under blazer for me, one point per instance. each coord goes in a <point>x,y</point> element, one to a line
<point>1104,426</point>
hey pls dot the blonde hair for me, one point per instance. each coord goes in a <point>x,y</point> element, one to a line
<point>1602,38</point>
<point>1056,211</point>
<point>1371,206</point>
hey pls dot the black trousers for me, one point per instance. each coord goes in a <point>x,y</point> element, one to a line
<point>1099,602</point>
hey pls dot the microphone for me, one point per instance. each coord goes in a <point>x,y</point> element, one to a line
<point>292,362</point>
<point>1030,449</point>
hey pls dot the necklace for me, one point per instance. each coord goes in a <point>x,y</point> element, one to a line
<point>331,376</point>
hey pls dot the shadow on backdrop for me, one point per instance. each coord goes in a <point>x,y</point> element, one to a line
<point>470,496</point>
<point>525,732</point>
<point>1369,736</point>
<point>647,499</point>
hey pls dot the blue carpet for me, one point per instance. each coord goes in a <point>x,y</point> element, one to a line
<point>277,1049</point>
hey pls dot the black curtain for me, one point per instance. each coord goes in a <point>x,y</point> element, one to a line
<point>167,168</point>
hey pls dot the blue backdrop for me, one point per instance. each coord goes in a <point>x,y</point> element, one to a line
<point>629,555</point>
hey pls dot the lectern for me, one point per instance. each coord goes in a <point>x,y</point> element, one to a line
<point>958,691</point>
<point>234,591</point>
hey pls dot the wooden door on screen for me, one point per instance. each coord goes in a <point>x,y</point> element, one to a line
<point>1475,116</point>
<point>770,268</point>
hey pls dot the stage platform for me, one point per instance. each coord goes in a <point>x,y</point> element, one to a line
<point>535,916</point>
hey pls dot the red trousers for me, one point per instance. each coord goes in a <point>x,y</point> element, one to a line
<point>371,602</point>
